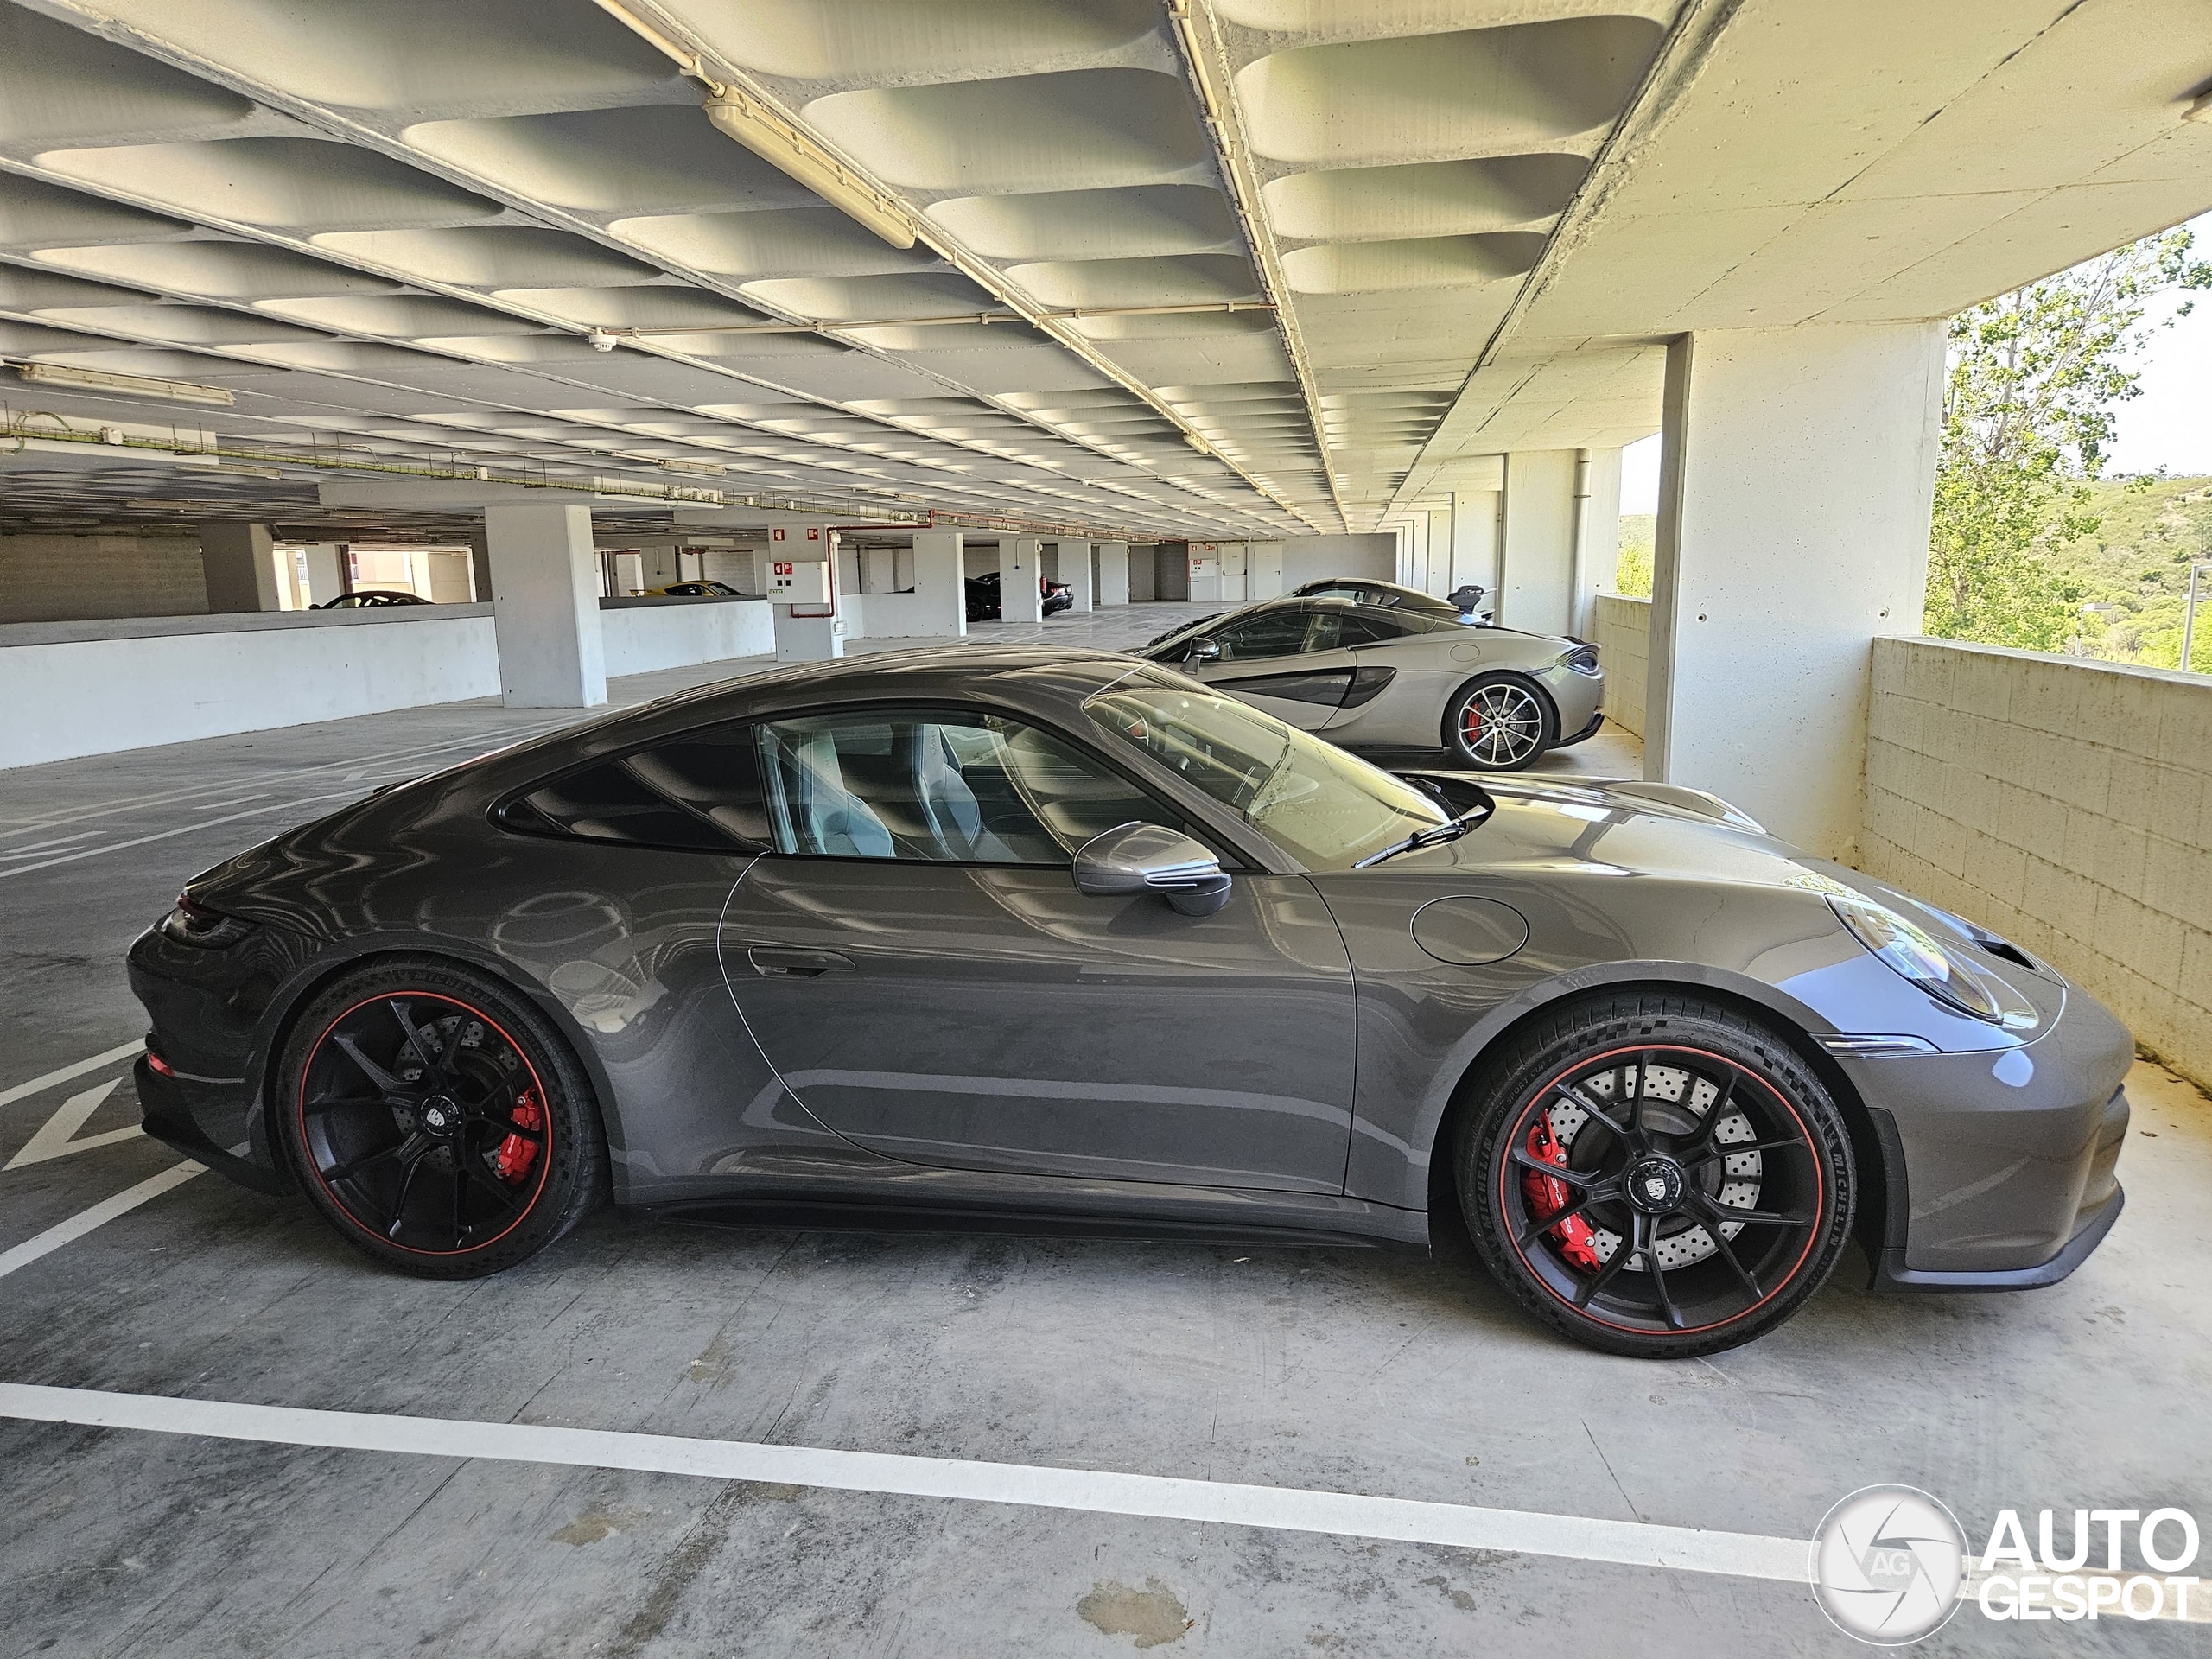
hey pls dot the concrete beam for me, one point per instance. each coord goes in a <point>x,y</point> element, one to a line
<point>546,614</point>
<point>1796,476</point>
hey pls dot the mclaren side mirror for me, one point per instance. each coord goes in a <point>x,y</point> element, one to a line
<point>1202,650</point>
<point>1151,858</point>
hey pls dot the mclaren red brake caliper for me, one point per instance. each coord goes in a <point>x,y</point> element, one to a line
<point>515,1154</point>
<point>1547,1195</point>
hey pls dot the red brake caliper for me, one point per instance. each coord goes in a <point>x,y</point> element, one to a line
<point>515,1153</point>
<point>1547,1196</point>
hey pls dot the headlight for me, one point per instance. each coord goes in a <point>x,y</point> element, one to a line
<point>1913,953</point>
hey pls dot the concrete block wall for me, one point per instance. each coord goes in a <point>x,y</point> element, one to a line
<point>67,578</point>
<point>1623,636</point>
<point>2068,804</point>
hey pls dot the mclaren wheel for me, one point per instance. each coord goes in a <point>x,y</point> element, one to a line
<point>438,1122</point>
<point>1657,1176</point>
<point>1500,722</point>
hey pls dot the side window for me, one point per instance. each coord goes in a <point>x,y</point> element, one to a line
<point>698,792</point>
<point>1327,631</point>
<point>1367,627</point>
<point>1278,633</point>
<point>938,786</point>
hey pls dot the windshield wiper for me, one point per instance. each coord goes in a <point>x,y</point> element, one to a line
<point>1434,836</point>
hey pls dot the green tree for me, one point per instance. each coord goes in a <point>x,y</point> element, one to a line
<point>2035,380</point>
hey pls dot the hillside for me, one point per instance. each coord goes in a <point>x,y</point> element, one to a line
<point>2133,570</point>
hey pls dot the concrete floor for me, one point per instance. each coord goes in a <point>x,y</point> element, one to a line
<point>1341,1370</point>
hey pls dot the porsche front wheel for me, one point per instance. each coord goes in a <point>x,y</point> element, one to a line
<point>1657,1176</point>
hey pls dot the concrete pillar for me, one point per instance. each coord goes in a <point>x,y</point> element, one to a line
<point>1263,577</point>
<point>239,563</point>
<point>1021,567</point>
<point>479,566</point>
<point>1536,574</point>
<point>1597,534</point>
<point>879,570</point>
<point>1474,540</point>
<point>546,616</point>
<point>1114,573</point>
<point>940,588</point>
<point>325,578</point>
<point>1075,570</point>
<point>1796,476</point>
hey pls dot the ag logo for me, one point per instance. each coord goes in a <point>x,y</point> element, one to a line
<point>1886,1565</point>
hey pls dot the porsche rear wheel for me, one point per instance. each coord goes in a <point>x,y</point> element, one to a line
<point>1657,1176</point>
<point>1501,722</point>
<point>437,1121</point>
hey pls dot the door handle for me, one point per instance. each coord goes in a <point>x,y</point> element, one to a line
<point>782,962</point>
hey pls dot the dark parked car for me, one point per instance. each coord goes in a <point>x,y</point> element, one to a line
<point>1044,939</point>
<point>1461,605</point>
<point>984,602</point>
<point>364,599</point>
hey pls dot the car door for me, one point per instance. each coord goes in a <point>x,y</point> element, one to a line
<point>1403,671</point>
<point>915,961</point>
<point>1268,661</point>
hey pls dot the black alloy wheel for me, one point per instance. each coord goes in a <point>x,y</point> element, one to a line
<point>1501,722</point>
<point>1657,1176</point>
<point>438,1122</point>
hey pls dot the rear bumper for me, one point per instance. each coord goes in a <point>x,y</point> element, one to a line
<point>1580,699</point>
<point>189,1114</point>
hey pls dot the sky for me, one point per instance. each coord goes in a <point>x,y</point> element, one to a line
<point>2169,427</point>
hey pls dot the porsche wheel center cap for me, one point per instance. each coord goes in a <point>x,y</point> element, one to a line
<point>1655,1185</point>
<point>439,1115</point>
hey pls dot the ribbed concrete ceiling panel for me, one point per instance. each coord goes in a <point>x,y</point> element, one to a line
<point>1224,268</point>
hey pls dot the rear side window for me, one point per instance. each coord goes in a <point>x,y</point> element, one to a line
<point>699,792</point>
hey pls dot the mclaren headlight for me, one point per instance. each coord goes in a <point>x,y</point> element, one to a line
<point>1915,953</point>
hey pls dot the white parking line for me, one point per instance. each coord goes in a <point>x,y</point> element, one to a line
<point>65,1232</point>
<point>62,1074</point>
<point>1160,1497</point>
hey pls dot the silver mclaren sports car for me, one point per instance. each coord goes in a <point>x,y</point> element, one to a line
<point>1393,677</point>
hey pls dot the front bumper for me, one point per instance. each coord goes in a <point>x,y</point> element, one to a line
<point>2000,1165</point>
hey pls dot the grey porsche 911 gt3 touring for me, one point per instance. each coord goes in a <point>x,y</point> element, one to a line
<point>1049,939</point>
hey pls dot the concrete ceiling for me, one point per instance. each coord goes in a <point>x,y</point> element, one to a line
<point>1255,266</point>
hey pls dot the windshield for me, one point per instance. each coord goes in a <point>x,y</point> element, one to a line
<point>1315,801</point>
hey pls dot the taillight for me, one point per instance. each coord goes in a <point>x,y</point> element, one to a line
<point>159,1064</point>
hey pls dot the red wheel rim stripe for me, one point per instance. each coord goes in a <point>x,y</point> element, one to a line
<point>544,1163</point>
<point>1812,1233</point>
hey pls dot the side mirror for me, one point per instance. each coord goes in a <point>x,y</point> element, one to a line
<point>1202,650</point>
<point>1151,858</point>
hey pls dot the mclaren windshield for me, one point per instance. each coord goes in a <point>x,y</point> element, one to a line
<point>1330,810</point>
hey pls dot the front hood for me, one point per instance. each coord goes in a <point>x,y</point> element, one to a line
<point>1626,826</point>
<point>1621,827</point>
